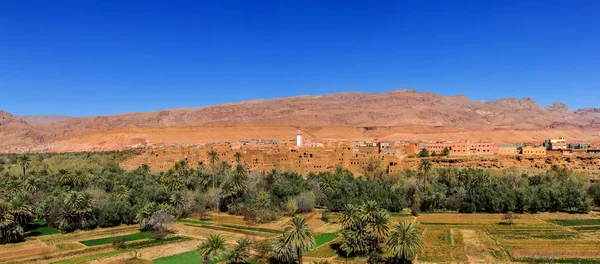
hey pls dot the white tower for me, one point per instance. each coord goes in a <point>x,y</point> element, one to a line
<point>299,139</point>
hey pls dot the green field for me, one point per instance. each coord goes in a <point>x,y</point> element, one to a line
<point>324,239</point>
<point>248,228</point>
<point>108,240</point>
<point>577,222</point>
<point>193,221</point>
<point>191,257</point>
<point>42,229</point>
<point>264,230</point>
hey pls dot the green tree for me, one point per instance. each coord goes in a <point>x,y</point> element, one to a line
<point>24,162</point>
<point>10,230</point>
<point>214,158</point>
<point>446,151</point>
<point>424,153</point>
<point>298,237</point>
<point>211,248</point>
<point>425,167</point>
<point>405,241</point>
<point>379,227</point>
<point>241,252</point>
<point>238,157</point>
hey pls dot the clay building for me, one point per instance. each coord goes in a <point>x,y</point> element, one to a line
<point>533,150</point>
<point>557,144</point>
<point>507,150</point>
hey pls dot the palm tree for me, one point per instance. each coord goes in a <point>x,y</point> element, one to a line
<point>349,216</point>
<point>298,237</point>
<point>181,167</point>
<point>21,209</point>
<point>405,241</point>
<point>30,185</point>
<point>144,214</point>
<point>238,157</point>
<point>369,211</point>
<point>211,248</point>
<point>425,167</point>
<point>379,227</point>
<point>241,252</point>
<point>10,230</point>
<point>24,162</point>
<point>214,158</point>
<point>144,169</point>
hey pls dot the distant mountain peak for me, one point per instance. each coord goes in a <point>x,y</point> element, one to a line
<point>559,107</point>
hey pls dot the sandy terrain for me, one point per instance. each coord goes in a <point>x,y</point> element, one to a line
<point>118,138</point>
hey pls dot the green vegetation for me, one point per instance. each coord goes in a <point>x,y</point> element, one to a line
<point>324,239</point>
<point>42,229</point>
<point>108,240</point>
<point>191,257</point>
<point>249,228</point>
<point>193,221</point>
<point>577,222</point>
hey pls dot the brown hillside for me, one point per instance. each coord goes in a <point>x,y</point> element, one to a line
<point>401,110</point>
<point>16,132</point>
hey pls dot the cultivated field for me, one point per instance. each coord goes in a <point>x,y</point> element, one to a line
<point>457,238</point>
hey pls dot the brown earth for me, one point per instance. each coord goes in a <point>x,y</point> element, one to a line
<point>400,114</point>
<point>118,138</point>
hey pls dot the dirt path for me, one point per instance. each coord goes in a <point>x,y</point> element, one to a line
<point>475,250</point>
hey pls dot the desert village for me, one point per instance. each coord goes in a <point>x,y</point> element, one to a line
<point>305,156</point>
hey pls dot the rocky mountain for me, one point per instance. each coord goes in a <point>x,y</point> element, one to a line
<point>43,119</point>
<point>15,131</point>
<point>395,108</point>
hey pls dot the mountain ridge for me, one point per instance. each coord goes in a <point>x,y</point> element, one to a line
<point>354,109</point>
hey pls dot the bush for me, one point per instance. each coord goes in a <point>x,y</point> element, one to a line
<point>119,243</point>
<point>305,202</point>
<point>291,207</point>
<point>594,193</point>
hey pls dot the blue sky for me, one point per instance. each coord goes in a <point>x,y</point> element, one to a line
<point>85,58</point>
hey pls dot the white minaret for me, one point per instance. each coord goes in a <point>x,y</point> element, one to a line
<point>299,139</point>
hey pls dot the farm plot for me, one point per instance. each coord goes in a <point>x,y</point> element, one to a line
<point>442,245</point>
<point>108,240</point>
<point>191,257</point>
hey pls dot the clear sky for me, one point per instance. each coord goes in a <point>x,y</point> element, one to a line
<point>85,57</point>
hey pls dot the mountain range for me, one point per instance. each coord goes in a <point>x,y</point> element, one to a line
<point>353,109</point>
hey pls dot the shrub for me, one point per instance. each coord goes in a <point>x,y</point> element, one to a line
<point>291,207</point>
<point>305,202</point>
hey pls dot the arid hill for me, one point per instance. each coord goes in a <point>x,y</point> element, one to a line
<point>16,132</point>
<point>43,119</point>
<point>401,108</point>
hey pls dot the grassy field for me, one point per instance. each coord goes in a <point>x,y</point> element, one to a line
<point>191,257</point>
<point>108,240</point>
<point>447,237</point>
<point>324,239</point>
<point>41,229</point>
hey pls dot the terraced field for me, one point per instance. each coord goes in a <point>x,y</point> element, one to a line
<point>458,238</point>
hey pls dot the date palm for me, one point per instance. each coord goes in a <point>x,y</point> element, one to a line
<point>241,252</point>
<point>24,162</point>
<point>405,241</point>
<point>211,248</point>
<point>298,237</point>
<point>10,230</point>
<point>379,227</point>
<point>214,158</point>
<point>425,167</point>
<point>238,157</point>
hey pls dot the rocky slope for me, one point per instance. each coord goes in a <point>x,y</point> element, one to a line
<point>395,108</point>
<point>42,119</point>
<point>16,132</point>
